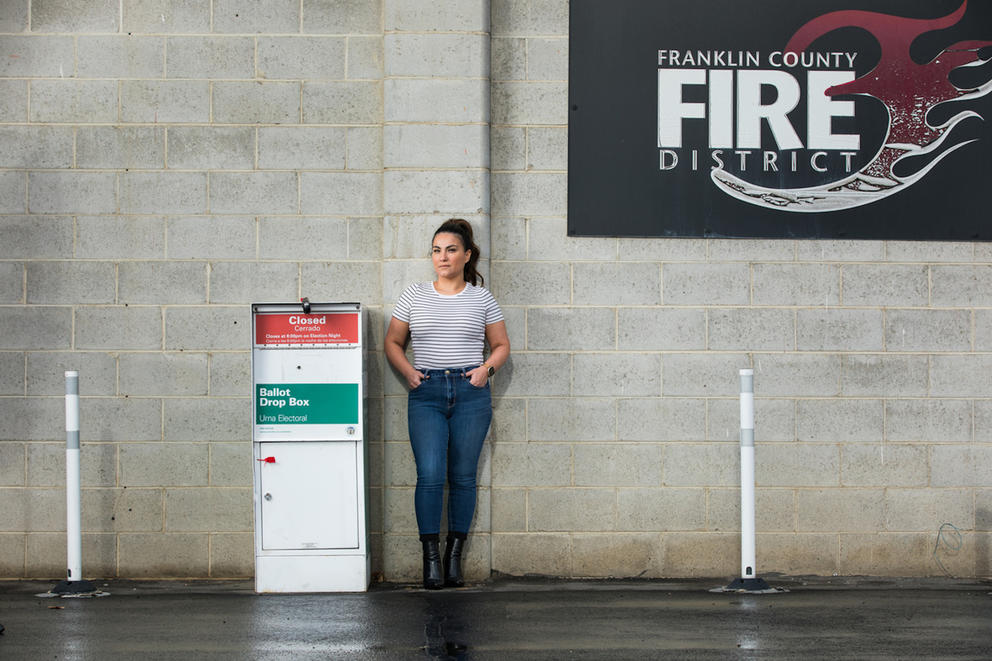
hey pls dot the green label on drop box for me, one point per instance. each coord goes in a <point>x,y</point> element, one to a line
<point>306,404</point>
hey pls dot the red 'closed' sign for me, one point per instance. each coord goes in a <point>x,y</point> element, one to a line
<point>297,328</point>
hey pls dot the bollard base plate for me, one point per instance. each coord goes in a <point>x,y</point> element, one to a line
<point>749,586</point>
<point>67,589</point>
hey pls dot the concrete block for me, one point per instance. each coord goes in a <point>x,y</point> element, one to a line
<point>159,555</point>
<point>617,465</point>
<point>341,17</point>
<point>67,192</point>
<point>13,100</point>
<point>617,555</point>
<point>530,17</point>
<point>928,330</point>
<point>457,55</point>
<point>983,510</point>
<point>884,465</point>
<point>303,238</point>
<point>35,148</point>
<point>960,376</point>
<point>208,510</point>
<point>13,467</point>
<point>929,251</point>
<point>774,510</point>
<point>398,512</point>
<point>960,285</point>
<point>261,16</point>
<point>509,58</point>
<point>231,465</point>
<point>256,103</point>
<point>701,465</point>
<point>983,330</point>
<point>427,100</point>
<point>166,16</point>
<point>344,281</point>
<point>534,554</point>
<point>32,56</point>
<point>45,553</point>
<point>211,148</point>
<point>928,420</point>
<point>208,419</point>
<point>163,464</point>
<point>829,250</point>
<point>571,420</point>
<point>121,419</point>
<point>661,329</point>
<point>12,373</point>
<point>664,419</point>
<point>531,465</point>
<point>530,374</point>
<point>426,191</point>
<point>118,328</point>
<point>840,420</point>
<point>76,101</point>
<point>114,237</point>
<point>845,510</point>
<point>342,102</point>
<point>250,282</point>
<point>509,238</point>
<point>13,192</point>
<point>760,329</point>
<point>445,15</point>
<point>617,284</point>
<point>661,509</point>
<point>165,101</point>
<point>808,553</point>
<point>341,193</point>
<point>700,284</point>
<point>207,328</point>
<point>961,466</point>
<point>46,372</point>
<point>93,16</point>
<point>230,374</point>
<point>33,510</point>
<point>796,284</point>
<point>530,103</point>
<point>662,250</point>
<point>839,330</point>
<point>983,421</point>
<point>364,58</point>
<point>397,276</point>
<point>210,57</point>
<point>364,148</point>
<point>774,420</point>
<point>162,282</point>
<point>436,146</point>
<point>232,555</point>
<point>301,58</point>
<point>884,376</point>
<point>571,510</point>
<point>798,465</point>
<point>509,420</point>
<point>575,329</point>
<point>121,510</point>
<point>36,327</point>
<point>156,374</point>
<point>702,375</point>
<point>924,510</point>
<point>797,375</point>
<point>400,470</point>
<point>547,59</point>
<point>533,194</point>
<point>70,283</point>
<point>616,375</point>
<point>508,148</point>
<point>547,149</point>
<point>12,552</point>
<point>886,554</point>
<point>163,192</point>
<point>12,282</point>
<point>364,238</point>
<point>120,57</point>
<point>700,554</point>
<point>254,192</point>
<point>509,510</point>
<point>211,237</point>
<point>120,147</point>
<point>303,148</point>
<point>14,18</point>
<point>750,250</point>
<point>889,285</point>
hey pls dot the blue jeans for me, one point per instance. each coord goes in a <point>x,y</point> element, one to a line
<point>448,419</point>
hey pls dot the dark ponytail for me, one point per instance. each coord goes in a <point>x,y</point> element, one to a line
<point>463,229</point>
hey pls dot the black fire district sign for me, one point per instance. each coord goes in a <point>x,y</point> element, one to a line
<point>780,118</point>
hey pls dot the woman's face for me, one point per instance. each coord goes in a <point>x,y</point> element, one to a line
<point>449,255</point>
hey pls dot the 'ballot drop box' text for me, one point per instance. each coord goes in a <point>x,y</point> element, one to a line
<point>308,441</point>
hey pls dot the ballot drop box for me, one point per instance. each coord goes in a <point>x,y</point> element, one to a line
<point>308,441</point>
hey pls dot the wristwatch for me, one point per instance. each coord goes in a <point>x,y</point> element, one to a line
<point>490,370</point>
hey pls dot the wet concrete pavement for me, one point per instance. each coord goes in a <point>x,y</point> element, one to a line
<point>505,619</point>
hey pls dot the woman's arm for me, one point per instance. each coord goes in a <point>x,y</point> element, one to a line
<point>499,352</point>
<point>395,348</point>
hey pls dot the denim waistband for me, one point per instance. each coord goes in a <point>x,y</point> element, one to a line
<point>448,370</point>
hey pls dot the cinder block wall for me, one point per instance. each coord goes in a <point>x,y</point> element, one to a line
<point>163,164</point>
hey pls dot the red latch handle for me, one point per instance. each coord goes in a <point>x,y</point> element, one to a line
<point>268,460</point>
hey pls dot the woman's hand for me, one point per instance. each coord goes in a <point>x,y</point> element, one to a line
<point>478,376</point>
<point>414,379</point>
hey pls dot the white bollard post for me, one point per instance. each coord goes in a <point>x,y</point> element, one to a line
<point>747,474</point>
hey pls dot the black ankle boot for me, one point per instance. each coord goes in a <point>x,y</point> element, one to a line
<point>453,562</point>
<point>432,564</point>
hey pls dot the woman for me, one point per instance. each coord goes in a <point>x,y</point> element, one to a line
<point>449,407</point>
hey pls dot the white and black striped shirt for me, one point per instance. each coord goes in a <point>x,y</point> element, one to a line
<point>447,331</point>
